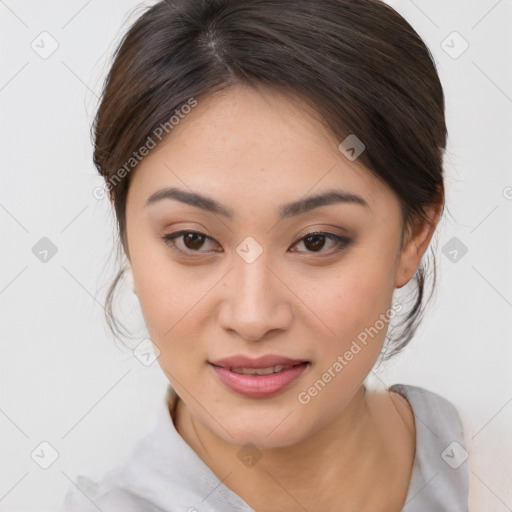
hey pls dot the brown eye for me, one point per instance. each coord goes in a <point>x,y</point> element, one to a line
<point>315,242</point>
<point>191,241</point>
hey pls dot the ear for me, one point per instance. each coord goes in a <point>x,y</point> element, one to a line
<point>416,242</point>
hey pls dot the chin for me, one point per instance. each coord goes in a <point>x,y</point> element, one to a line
<point>263,429</point>
<point>262,440</point>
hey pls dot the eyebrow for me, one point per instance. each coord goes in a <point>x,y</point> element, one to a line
<point>286,210</point>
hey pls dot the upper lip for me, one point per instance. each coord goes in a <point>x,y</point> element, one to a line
<point>266,361</point>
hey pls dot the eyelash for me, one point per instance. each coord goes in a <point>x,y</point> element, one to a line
<point>342,242</point>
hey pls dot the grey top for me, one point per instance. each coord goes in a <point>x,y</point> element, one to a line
<point>164,474</point>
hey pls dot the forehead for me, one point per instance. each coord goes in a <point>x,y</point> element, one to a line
<point>252,143</point>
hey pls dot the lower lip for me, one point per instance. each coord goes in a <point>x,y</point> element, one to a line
<point>259,386</point>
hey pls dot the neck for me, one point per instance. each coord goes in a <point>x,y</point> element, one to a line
<point>337,461</point>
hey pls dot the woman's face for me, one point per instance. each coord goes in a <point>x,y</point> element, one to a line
<point>255,282</point>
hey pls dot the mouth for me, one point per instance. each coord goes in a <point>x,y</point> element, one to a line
<point>262,371</point>
<point>258,378</point>
<point>263,362</point>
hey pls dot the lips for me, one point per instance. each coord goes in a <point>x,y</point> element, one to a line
<point>260,377</point>
<point>261,371</point>
<point>266,361</point>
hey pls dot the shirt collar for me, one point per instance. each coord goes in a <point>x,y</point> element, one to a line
<point>166,471</point>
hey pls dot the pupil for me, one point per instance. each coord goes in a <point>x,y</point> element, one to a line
<point>189,237</point>
<point>318,244</point>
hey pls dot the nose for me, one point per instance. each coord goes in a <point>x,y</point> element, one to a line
<point>255,300</point>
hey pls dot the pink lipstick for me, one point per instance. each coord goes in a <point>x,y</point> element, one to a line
<point>258,377</point>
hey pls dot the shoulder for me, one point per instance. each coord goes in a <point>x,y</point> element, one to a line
<point>162,474</point>
<point>439,413</point>
<point>130,486</point>
<point>440,477</point>
<point>88,495</point>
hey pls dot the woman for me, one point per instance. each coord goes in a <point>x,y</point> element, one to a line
<point>276,170</point>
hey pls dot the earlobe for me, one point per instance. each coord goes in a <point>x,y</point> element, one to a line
<point>409,262</point>
<point>403,274</point>
<point>415,246</point>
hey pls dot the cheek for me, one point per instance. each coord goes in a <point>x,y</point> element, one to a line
<point>352,303</point>
<point>169,296</point>
<point>352,299</point>
<point>169,313</point>
<point>167,306</point>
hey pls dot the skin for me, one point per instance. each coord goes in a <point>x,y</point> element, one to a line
<point>253,150</point>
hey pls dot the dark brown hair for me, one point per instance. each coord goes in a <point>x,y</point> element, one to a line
<point>358,63</point>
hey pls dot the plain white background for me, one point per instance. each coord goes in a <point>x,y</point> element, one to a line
<point>63,379</point>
